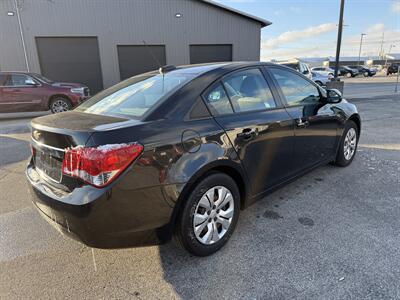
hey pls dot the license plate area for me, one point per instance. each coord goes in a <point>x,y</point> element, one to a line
<point>48,163</point>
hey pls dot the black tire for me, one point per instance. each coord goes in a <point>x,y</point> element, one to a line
<point>185,234</point>
<point>57,102</point>
<point>341,159</point>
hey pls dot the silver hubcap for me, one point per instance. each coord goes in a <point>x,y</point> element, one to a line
<point>59,106</point>
<point>350,142</point>
<point>213,215</point>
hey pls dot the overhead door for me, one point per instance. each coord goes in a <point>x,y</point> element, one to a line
<point>210,53</point>
<point>71,59</point>
<point>137,59</point>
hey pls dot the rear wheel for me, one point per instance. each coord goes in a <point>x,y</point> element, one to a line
<point>366,74</point>
<point>209,215</point>
<point>348,145</point>
<point>60,104</point>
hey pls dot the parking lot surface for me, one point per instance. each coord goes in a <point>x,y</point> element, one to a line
<point>332,234</point>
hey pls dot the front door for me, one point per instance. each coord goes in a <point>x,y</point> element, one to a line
<point>258,127</point>
<point>316,122</point>
<point>21,93</point>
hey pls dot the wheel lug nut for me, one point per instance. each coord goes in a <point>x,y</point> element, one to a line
<point>209,220</point>
<point>214,207</point>
<point>217,211</point>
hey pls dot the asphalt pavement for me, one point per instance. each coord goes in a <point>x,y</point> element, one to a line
<point>332,234</point>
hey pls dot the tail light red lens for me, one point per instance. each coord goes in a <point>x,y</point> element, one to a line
<point>99,166</point>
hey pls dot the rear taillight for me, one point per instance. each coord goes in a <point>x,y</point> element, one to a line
<point>99,166</point>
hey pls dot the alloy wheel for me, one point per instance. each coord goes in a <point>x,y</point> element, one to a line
<point>213,215</point>
<point>350,143</point>
<point>59,106</point>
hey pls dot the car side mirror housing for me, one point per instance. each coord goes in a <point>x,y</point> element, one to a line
<point>31,83</point>
<point>333,96</point>
<point>305,72</point>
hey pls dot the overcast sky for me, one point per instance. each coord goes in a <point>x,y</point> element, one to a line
<point>308,28</point>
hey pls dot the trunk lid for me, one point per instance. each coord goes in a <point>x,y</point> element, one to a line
<point>52,134</point>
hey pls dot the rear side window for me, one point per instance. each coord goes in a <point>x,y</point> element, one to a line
<point>217,100</point>
<point>296,89</point>
<point>248,91</point>
<point>135,96</point>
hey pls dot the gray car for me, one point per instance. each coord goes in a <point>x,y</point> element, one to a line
<point>321,79</point>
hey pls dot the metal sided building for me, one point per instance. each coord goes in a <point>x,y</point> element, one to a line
<point>100,42</point>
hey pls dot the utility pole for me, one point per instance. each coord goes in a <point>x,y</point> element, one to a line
<point>22,34</point>
<point>339,38</point>
<point>359,52</point>
<point>381,52</point>
<point>386,56</point>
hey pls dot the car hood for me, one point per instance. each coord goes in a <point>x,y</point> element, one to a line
<point>67,84</point>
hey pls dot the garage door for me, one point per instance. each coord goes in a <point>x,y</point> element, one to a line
<point>71,59</point>
<point>210,53</point>
<point>137,59</point>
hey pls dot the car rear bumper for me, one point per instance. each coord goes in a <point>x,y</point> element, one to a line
<point>104,218</point>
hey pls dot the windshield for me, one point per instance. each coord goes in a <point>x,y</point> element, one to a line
<point>134,96</point>
<point>42,78</point>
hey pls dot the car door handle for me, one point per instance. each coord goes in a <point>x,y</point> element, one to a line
<point>301,123</point>
<point>247,133</point>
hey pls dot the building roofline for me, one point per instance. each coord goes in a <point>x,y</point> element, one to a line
<point>263,22</point>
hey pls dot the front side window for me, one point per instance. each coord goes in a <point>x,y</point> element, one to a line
<point>296,90</point>
<point>135,96</point>
<point>218,101</point>
<point>248,91</point>
<point>21,80</point>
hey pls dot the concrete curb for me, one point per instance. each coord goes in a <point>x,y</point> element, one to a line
<point>23,115</point>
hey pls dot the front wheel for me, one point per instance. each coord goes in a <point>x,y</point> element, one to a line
<point>60,104</point>
<point>348,145</point>
<point>348,75</point>
<point>209,215</point>
<point>366,74</point>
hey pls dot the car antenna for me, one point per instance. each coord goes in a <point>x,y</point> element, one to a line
<point>152,54</point>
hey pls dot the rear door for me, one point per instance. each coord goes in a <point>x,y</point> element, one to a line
<point>258,127</point>
<point>316,121</point>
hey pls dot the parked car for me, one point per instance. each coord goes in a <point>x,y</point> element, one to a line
<point>393,69</point>
<point>182,151</point>
<point>348,72</point>
<point>321,79</point>
<point>33,92</point>
<point>367,72</point>
<point>297,65</point>
<point>323,70</point>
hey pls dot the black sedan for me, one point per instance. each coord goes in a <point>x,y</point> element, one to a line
<point>367,72</point>
<point>348,72</point>
<point>182,150</point>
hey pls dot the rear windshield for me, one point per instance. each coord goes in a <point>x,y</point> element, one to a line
<point>133,97</point>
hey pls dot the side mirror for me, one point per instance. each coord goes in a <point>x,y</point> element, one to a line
<point>31,83</point>
<point>305,72</point>
<point>333,96</point>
